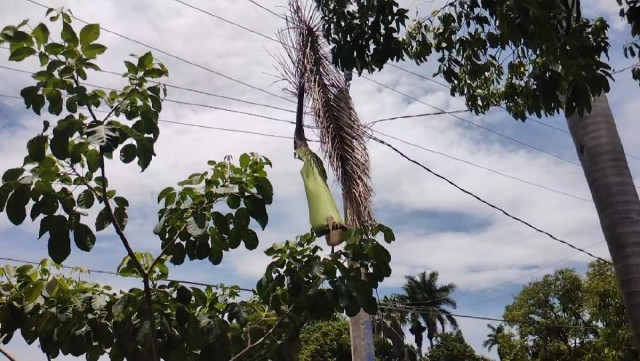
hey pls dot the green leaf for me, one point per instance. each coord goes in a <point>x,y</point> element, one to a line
<point>164,193</point>
<point>83,237</point>
<point>145,152</point>
<point>233,201</point>
<point>60,146</point>
<point>128,153</point>
<point>36,147</point>
<point>22,53</point>
<point>86,199</point>
<point>54,49</point>
<point>103,220</point>
<point>5,191</point>
<point>241,219</point>
<point>153,73</point>
<point>59,245</point>
<point>93,50</point>
<point>121,202</point>
<point>250,239</point>
<point>388,235</point>
<point>41,34</point>
<point>17,202</point>
<point>131,67</point>
<point>120,214</point>
<point>12,174</point>
<point>32,292</point>
<point>221,223</point>
<point>145,61</point>
<point>89,34</point>
<point>44,58</point>
<point>215,256</point>
<point>178,253</point>
<point>245,160</point>
<point>235,238</point>
<point>257,210</point>
<point>68,35</point>
<point>93,160</point>
<point>265,190</point>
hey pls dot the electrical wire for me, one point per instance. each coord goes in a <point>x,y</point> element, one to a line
<point>201,126</point>
<point>421,115</point>
<point>116,274</point>
<point>485,202</point>
<point>391,306</point>
<point>475,124</point>
<point>536,121</point>
<point>484,168</point>
<point>175,57</point>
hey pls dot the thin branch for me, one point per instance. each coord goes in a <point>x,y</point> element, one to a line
<point>250,347</point>
<point>165,250</point>
<point>7,354</point>
<point>132,256</point>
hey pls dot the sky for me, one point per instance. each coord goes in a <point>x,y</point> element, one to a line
<point>487,255</point>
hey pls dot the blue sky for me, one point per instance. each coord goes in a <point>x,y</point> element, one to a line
<point>437,227</point>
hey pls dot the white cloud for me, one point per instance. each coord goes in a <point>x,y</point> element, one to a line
<point>474,257</point>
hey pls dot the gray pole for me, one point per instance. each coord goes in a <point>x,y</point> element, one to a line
<point>360,325</point>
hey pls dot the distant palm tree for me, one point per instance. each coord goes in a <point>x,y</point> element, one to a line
<point>429,302</point>
<point>492,338</point>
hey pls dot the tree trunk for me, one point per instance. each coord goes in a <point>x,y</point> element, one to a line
<point>605,166</point>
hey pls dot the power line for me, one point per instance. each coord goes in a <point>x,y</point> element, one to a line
<point>370,124</point>
<point>482,318</point>
<point>225,20</point>
<point>176,57</point>
<point>116,274</point>
<point>191,90</point>
<point>484,168</point>
<point>536,121</point>
<point>200,125</point>
<point>475,124</point>
<point>485,202</point>
<point>267,9</point>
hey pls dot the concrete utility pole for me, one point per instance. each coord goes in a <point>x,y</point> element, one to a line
<point>360,325</point>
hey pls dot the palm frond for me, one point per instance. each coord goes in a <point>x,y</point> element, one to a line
<point>341,134</point>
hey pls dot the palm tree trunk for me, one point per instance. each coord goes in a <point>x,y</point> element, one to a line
<point>605,166</point>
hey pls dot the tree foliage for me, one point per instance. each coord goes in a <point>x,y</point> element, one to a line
<point>452,346</point>
<point>566,316</point>
<point>525,56</point>
<point>64,179</point>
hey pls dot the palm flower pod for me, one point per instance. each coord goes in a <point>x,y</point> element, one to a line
<point>309,71</point>
<point>324,216</point>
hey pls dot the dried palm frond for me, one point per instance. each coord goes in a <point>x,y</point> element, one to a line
<point>309,72</point>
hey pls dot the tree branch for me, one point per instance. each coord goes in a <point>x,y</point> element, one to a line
<point>132,256</point>
<point>7,354</point>
<point>251,346</point>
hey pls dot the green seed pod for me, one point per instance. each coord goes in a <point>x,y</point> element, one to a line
<point>319,199</point>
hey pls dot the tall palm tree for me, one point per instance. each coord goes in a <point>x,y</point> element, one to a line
<point>430,301</point>
<point>492,338</point>
<point>605,167</point>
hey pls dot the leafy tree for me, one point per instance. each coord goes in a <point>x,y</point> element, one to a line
<point>327,340</point>
<point>530,58</point>
<point>65,175</point>
<point>452,346</point>
<point>568,317</point>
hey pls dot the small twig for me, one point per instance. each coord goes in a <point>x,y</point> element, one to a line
<point>118,105</point>
<point>164,250</point>
<point>7,354</point>
<point>251,346</point>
